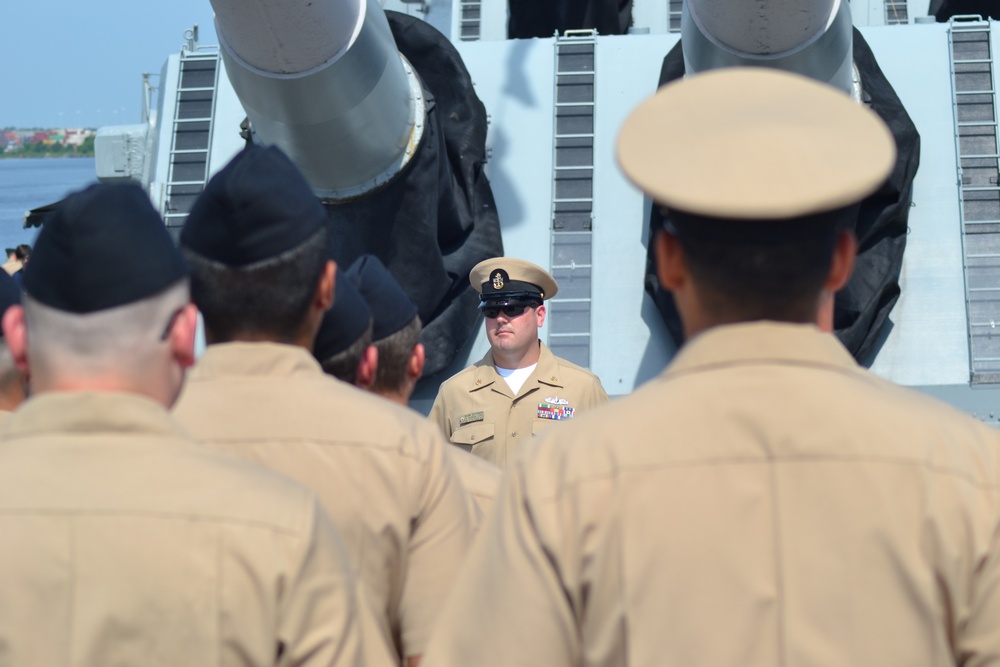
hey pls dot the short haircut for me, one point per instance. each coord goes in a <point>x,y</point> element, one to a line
<point>270,297</point>
<point>23,251</point>
<point>344,364</point>
<point>10,374</point>
<point>775,272</point>
<point>124,339</point>
<point>394,352</point>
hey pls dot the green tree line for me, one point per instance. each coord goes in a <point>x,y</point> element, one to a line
<point>86,149</point>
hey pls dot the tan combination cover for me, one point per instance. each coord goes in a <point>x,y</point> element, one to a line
<point>124,543</point>
<point>378,468</point>
<point>763,502</point>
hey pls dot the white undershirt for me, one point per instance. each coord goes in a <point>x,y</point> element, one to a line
<point>515,377</point>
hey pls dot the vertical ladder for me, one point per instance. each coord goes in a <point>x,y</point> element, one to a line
<point>194,109</point>
<point>470,20</point>
<point>974,101</point>
<point>896,12</point>
<point>573,195</point>
<point>674,8</point>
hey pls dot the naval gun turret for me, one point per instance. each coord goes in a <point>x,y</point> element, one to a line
<point>817,40</point>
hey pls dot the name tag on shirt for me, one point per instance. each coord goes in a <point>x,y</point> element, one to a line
<point>470,418</point>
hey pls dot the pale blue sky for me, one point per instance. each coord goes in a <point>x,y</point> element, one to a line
<point>67,63</point>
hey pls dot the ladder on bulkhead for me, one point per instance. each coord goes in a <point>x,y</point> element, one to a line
<point>569,313</point>
<point>470,20</point>
<point>674,8</point>
<point>896,12</point>
<point>194,109</point>
<point>975,114</point>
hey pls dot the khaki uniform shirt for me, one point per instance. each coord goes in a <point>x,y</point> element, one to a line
<point>379,469</point>
<point>481,481</point>
<point>123,543</point>
<point>478,411</point>
<point>763,502</point>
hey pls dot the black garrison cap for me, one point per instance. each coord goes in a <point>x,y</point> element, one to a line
<point>102,247</point>
<point>344,322</point>
<point>257,207</point>
<point>10,293</point>
<point>391,307</point>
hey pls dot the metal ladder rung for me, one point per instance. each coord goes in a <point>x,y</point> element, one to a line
<point>978,123</point>
<point>979,156</point>
<point>580,168</point>
<point>986,255</point>
<point>193,120</point>
<point>189,151</point>
<point>974,92</point>
<point>582,334</point>
<point>980,188</point>
<point>172,183</point>
<point>579,233</point>
<point>578,300</point>
<point>981,222</point>
<point>587,200</point>
<point>984,289</point>
<point>574,104</point>
<point>571,267</point>
<point>574,136</point>
<point>202,89</point>
<point>575,73</point>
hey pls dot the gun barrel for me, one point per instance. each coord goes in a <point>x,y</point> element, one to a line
<point>324,81</point>
<point>816,39</point>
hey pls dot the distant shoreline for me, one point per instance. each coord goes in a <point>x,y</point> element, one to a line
<point>44,156</point>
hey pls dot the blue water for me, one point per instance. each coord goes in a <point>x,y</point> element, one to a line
<point>32,182</point>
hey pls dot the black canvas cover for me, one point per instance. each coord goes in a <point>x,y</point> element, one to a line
<point>862,308</point>
<point>543,18</point>
<point>943,10</point>
<point>437,219</point>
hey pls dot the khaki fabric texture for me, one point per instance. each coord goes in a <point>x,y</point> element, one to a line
<point>496,422</point>
<point>379,470</point>
<point>481,481</point>
<point>124,543</point>
<point>763,502</point>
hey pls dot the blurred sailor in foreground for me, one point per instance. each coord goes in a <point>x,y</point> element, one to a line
<point>124,542</point>
<point>764,501</point>
<point>13,380</point>
<point>400,363</point>
<point>258,245</point>
<point>519,388</point>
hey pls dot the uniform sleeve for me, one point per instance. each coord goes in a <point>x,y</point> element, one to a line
<point>439,541</point>
<point>324,619</point>
<point>978,642</point>
<point>439,413</point>
<point>509,606</point>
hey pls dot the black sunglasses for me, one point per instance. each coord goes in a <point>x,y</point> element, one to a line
<point>510,311</point>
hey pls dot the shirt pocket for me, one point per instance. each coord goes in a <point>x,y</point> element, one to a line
<point>470,435</point>
<point>540,425</point>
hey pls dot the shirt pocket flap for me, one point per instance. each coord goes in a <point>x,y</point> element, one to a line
<point>472,434</point>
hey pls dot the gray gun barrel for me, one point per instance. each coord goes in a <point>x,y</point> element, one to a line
<point>324,81</point>
<point>812,38</point>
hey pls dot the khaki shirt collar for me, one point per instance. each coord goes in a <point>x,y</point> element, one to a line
<point>761,342</point>
<point>546,372</point>
<point>81,413</point>
<point>254,359</point>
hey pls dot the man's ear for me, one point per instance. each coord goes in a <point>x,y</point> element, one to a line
<point>671,268</point>
<point>540,313</point>
<point>15,333</point>
<point>415,366</point>
<point>326,285</point>
<point>183,334</point>
<point>843,261</point>
<point>364,378</point>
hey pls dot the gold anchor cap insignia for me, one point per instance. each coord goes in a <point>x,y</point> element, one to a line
<point>498,280</point>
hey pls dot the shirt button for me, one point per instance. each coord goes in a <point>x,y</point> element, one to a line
<point>478,382</point>
<point>553,378</point>
<point>513,434</point>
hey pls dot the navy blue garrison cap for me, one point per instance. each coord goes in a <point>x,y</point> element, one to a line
<point>102,247</point>
<point>391,307</point>
<point>344,322</point>
<point>257,207</point>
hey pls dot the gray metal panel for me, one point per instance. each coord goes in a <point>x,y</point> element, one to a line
<point>928,342</point>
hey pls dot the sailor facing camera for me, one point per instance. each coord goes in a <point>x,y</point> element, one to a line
<point>765,501</point>
<point>123,542</point>
<point>519,388</point>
